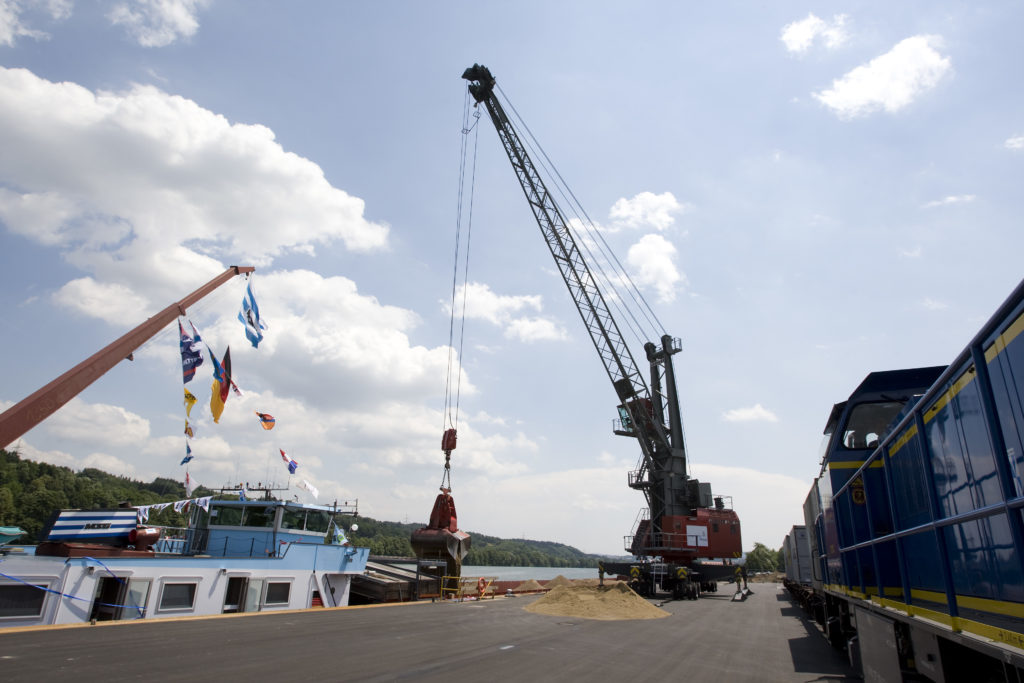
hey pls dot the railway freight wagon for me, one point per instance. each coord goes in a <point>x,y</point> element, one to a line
<point>797,554</point>
<point>915,527</point>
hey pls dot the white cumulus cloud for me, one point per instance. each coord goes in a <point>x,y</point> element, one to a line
<point>889,82</point>
<point>799,36</point>
<point>952,199</point>
<point>756,413</point>
<point>1016,142</point>
<point>114,302</point>
<point>646,209</point>
<point>143,186</point>
<point>13,25</point>
<point>158,23</point>
<point>98,424</point>
<point>652,264</point>
<point>507,312</point>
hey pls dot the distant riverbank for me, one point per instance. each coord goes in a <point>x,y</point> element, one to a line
<point>527,573</point>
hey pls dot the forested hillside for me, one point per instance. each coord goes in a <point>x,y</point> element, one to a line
<point>392,538</point>
<point>31,491</point>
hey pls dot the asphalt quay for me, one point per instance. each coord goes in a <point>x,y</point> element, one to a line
<point>763,638</point>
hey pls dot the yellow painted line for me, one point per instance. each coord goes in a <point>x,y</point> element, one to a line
<point>966,378</point>
<point>997,347</point>
<point>1010,609</point>
<point>958,624</point>
<point>1001,635</point>
<point>995,633</point>
<point>853,464</point>
<point>903,440</point>
<point>1003,340</point>
<point>930,596</point>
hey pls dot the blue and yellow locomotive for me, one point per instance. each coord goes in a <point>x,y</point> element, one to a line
<point>915,522</point>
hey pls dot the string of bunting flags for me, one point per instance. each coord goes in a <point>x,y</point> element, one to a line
<point>191,347</point>
<point>142,511</point>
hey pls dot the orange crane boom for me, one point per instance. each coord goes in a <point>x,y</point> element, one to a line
<point>38,406</point>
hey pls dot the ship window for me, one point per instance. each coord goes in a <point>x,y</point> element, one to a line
<point>277,593</point>
<point>135,602</point>
<point>21,601</point>
<point>178,596</point>
<point>259,516</point>
<point>868,423</point>
<point>226,516</point>
<point>318,520</point>
<point>293,519</point>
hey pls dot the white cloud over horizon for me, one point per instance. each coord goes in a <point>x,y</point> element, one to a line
<point>755,413</point>
<point>147,183</point>
<point>951,199</point>
<point>890,81</point>
<point>799,36</point>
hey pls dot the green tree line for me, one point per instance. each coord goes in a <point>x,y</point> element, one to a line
<point>764,559</point>
<point>392,539</point>
<point>30,492</point>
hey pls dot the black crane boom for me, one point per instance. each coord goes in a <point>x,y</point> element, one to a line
<point>679,524</point>
<point>604,331</point>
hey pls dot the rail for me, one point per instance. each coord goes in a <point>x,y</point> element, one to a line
<point>659,543</point>
<point>873,522</point>
<point>466,586</point>
<point>180,540</point>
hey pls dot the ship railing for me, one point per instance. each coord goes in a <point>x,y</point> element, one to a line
<point>723,502</point>
<point>653,544</point>
<point>176,540</point>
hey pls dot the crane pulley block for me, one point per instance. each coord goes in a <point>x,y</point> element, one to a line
<point>448,440</point>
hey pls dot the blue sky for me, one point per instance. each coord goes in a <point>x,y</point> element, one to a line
<point>805,191</point>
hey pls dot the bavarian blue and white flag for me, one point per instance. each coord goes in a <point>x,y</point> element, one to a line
<point>249,315</point>
<point>191,353</point>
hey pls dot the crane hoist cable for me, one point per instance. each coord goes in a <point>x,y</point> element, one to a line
<point>654,327</point>
<point>452,394</point>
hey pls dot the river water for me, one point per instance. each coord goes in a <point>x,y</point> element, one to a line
<point>526,573</point>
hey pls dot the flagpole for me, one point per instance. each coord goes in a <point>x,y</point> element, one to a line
<point>38,406</point>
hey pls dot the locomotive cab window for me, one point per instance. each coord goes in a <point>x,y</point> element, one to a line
<point>868,422</point>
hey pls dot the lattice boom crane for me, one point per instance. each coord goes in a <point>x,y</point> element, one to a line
<point>685,521</point>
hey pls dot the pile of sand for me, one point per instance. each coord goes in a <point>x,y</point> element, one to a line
<point>557,581</point>
<point>527,586</point>
<point>613,602</point>
<point>586,582</point>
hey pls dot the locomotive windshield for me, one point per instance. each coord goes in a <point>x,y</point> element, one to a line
<point>867,423</point>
